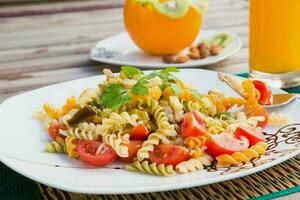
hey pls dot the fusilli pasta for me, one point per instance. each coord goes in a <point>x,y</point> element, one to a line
<point>152,168</point>
<point>245,156</point>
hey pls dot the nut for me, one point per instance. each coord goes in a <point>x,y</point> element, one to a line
<point>193,48</point>
<point>182,59</point>
<point>203,46</point>
<point>175,59</point>
<point>204,52</point>
<point>215,50</point>
<point>195,54</point>
<point>169,59</point>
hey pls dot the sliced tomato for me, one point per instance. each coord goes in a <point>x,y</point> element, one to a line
<point>227,107</point>
<point>169,154</point>
<point>263,113</point>
<point>198,116</point>
<point>265,92</point>
<point>225,144</point>
<point>54,130</point>
<point>88,152</point>
<point>254,135</point>
<point>192,125</point>
<point>139,132</point>
<point>133,148</point>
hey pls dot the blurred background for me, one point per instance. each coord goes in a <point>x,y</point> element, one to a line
<point>45,42</point>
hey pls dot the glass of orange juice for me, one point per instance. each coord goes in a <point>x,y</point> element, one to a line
<point>163,27</point>
<point>275,41</point>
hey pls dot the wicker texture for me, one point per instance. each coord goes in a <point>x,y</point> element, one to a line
<point>280,177</point>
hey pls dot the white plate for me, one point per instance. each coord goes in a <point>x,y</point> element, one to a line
<point>22,143</point>
<point>120,50</point>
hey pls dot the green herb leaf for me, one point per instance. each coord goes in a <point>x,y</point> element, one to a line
<point>175,88</point>
<point>130,71</point>
<point>140,88</point>
<point>169,70</point>
<point>114,96</point>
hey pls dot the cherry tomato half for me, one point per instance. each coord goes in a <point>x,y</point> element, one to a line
<point>169,154</point>
<point>88,153</point>
<point>265,92</point>
<point>192,125</point>
<point>139,132</point>
<point>133,148</point>
<point>225,144</point>
<point>253,135</point>
<point>54,130</point>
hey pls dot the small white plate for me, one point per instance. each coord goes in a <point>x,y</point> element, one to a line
<point>22,144</point>
<point>120,50</point>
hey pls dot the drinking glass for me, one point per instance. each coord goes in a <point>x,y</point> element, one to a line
<point>275,41</point>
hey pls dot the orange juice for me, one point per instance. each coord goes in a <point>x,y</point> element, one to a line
<point>160,30</point>
<point>275,36</point>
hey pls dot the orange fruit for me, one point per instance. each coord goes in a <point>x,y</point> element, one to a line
<point>160,34</point>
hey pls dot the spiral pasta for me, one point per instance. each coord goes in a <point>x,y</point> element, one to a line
<point>156,115</point>
<point>153,168</point>
<point>71,143</point>
<point>244,156</point>
<point>45,119</point>
<point>194,164</point>
<point>88,96</point>
<point>189,106</point>
<point>115,123</point>
<point>279,119</point>
<point>164,130</point>
<point>153,139</point>
<point>116,143</point>
<point>84,131</point>
<point>249,123</point>
<point>195,145</point>
<point>252,95</point>
<point>54,147</point>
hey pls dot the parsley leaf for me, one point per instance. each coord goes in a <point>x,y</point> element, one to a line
<point>130,71</point>
<point>169,70</point>
<point>114,96</point>
<point>140,88</point>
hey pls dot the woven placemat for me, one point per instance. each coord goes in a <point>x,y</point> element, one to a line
<point>281,177</point>
<point>280,180</point>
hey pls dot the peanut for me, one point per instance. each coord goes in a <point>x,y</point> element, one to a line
<point>169,59</point>
<point>175,59</point>
<point>203,46</point>
<point>204,53</point>
<point>194,54</point>
<point>215,50</point>
<point>182,59</point>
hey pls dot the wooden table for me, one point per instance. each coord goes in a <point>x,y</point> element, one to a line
<point>42,44</point>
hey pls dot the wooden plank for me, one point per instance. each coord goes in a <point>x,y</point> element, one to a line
<point>59,7</point>
<point>67,35</point>
<point>22,54</point>
<point>38,50</point>
<point>36,78</point>
<point>106,17</point>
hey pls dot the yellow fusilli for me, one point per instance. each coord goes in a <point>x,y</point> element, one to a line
<point>244,156</point>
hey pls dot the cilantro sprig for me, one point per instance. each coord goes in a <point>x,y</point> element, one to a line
<point>130,72</point>
<point>115,95</point>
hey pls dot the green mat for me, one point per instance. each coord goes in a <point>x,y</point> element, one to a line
<point>278,181</point>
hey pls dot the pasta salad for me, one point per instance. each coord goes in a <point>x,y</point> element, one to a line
<point>157,124</point>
